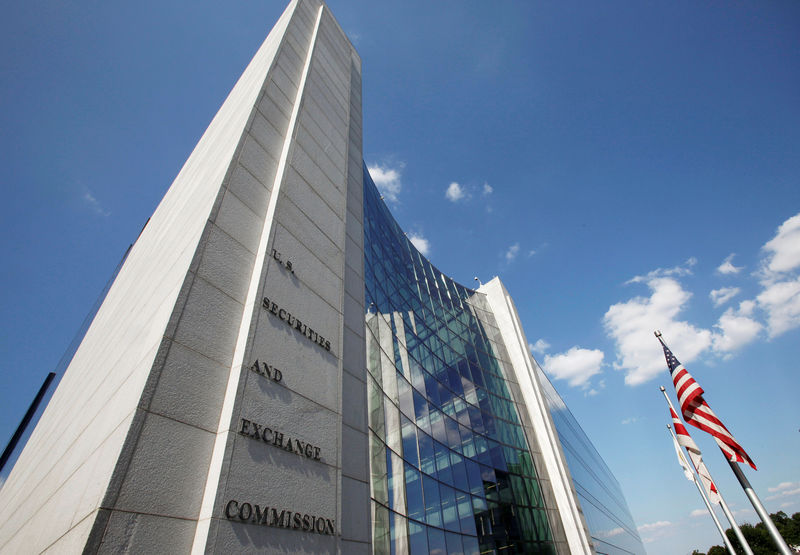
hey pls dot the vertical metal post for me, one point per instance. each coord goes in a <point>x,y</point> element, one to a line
<point>697,483</point>
<point>725,509</point>
<point>780,543</point>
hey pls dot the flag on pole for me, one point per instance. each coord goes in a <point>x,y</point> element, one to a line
<point>685,440</point>
<point>697,412</point>
<point>687,471</point>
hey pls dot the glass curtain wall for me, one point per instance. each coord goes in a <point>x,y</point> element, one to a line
<point>604,508</point>
<point>451,468</point>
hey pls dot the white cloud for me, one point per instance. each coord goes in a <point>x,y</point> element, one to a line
<point>721,296</point>
<point>611,533</point>
<point>454,192</point>
<point>95,205</point>
<point>531,252</point>
<point>699,512</point>
<point>780,298</point>
<point>630,420</point>
<point>512,252</point>
<point>684,270</point>
<point>784,486</point>
<point>784,248</point>
<point>487,189</point>
<point>727,266</point>
<point>539,347</point>
<point>422,244</point>
<point>781,301</point>
<point>576,365</point>
<point>736,329</point>
<point>592,391</point>
<point>631,325</point>
<point>784,489</point>
<point>654,526</point>
<point>387,180</point>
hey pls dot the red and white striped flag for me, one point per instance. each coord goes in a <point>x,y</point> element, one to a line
<point>685,440</point>
<point>697,412</point>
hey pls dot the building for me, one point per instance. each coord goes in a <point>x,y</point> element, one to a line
<point>276,369</point>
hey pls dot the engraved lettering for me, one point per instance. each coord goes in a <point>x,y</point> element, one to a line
<point>258,516</point>
<point>232,504</point>
<point>276,519</point>
<point>245,515</point>
<point>297,521</point>
<point>306,522</point>
<point>282,314</point>
<point>271,436</point>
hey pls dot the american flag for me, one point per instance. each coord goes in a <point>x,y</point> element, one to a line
<point>685,440</point>
<point>697,412</point>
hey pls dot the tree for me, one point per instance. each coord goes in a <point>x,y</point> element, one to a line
<point>758,537</point>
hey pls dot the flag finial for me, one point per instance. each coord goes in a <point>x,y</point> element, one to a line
<point>662,388</point>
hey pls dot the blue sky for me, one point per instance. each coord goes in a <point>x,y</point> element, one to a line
<point>622,166</point>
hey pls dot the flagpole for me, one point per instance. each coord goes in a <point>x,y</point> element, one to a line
<point>708,504</point>
<point>725,509</point>
<point>762,512</point>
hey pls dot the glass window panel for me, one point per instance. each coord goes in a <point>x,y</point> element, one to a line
<point>405,396</point>
<point>460,479</point>
<point>433,502</point>
<point>454,546</point>
<point>417,539</point>
<point>465,516</point>
<point>393,434</point>
<point>489,482</point>
<point>449,508</point>
<point>421,412</point>
<point>444,472</point>
<point>409,441</point>
<point>436,541</point>
<point>471,546</point>
<point>375,407</point>
<point>381,537</point>
<point>396,480</point>
<point>438,426</point>
<point>427,455</point>
<point>399,534</point>
<point>453,435</point>
<point>414,499</point>
<point>474,477</point>
<point>378,482</point>
<point>498,459</point>
<point>432,389</point>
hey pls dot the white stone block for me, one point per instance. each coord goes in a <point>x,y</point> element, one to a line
<point>209,322</point>
<point>190,388</point>
<point>167,472</point>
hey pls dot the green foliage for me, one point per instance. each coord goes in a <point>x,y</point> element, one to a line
<point>758,537</point>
